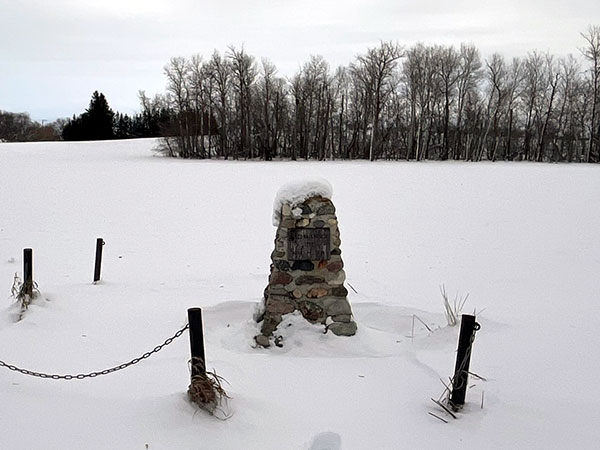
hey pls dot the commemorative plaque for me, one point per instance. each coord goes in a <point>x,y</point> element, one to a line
<point>310,244</point>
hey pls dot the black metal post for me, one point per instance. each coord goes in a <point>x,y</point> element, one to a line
<point>99,244</point>
<point>28,271</point>
<point>468,327</point>
<point>196,342</point>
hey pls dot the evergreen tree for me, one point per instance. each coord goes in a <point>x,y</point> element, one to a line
<point>123,126</point>
<point>74,129</point>
<point>99,118</point>
<point>96,123</point>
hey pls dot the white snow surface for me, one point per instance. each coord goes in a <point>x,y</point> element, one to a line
<point>295,192</point>
<point>521,238</point>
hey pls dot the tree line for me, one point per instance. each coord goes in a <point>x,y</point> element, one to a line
<point>100,122</point>
<point>18,127</point>
<point>97,122</point>
<point>391,102</point>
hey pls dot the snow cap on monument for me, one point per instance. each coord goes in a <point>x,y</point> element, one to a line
<point>296,192</point>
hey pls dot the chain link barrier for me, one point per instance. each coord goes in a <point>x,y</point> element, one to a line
<point>82,376</point>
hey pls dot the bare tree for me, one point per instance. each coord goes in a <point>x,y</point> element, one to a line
<point>199,90</point>
<point>533,85</point>
<point>496,76</point>
<point>375,70</point>
<point>551,79</point>
<point>269,104</point>
<point>513,87</point>
<point>449,72</point>
<point>244,74</point>
<point>219,70</point>
<point>421,82</point>
<point>570,83</point>
<point>468,80</point>
<point>177,72</point>
<point>503,84</point>
<point>592,53</point>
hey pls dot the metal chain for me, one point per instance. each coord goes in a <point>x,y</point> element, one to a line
<point>81,376</point>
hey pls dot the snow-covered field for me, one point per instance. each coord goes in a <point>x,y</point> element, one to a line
<point>523,240</point>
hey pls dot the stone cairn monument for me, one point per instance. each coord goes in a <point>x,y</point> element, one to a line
<point>307,272</point>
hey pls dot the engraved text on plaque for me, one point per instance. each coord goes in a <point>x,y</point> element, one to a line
<point>308,244</point>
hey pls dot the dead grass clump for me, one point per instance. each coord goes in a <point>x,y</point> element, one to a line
<point>206,391</point>
<point>454,309</point>
<point>24,292</point>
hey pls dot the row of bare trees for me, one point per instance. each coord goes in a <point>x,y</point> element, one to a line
<point>422,102</point>
<point>19,127</point>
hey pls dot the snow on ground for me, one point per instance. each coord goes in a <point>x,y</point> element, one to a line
<point>522,239</point>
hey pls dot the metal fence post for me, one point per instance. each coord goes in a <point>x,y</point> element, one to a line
<point>468,327</point>
<point>98,265</point>
<point>28,271</point>
<point>196,342</point>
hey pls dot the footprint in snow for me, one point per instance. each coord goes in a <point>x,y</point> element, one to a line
<point>326,441</point>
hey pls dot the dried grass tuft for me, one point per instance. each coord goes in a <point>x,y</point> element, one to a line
<point>453,310</point>
<point>24,293</point>
<point>206,390</point>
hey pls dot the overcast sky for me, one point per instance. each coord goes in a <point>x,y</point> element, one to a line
<point>54,54</point>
